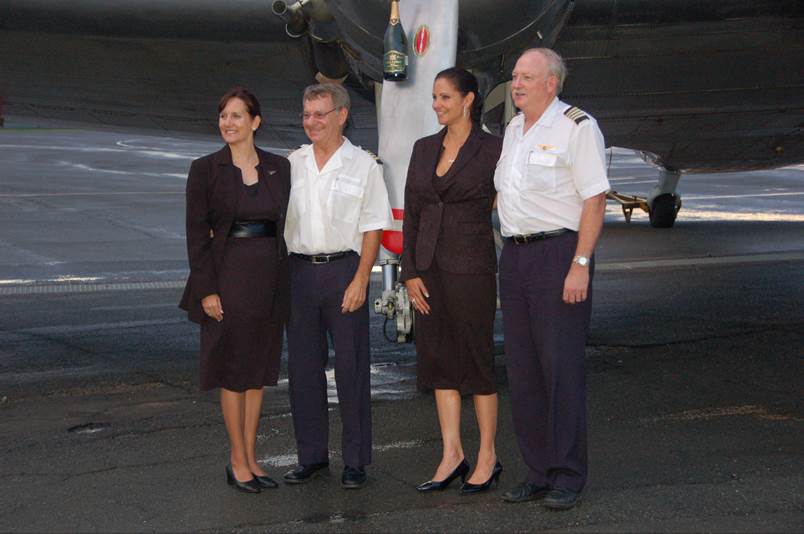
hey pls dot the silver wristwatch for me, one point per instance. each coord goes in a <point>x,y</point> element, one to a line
<point>583,261</point>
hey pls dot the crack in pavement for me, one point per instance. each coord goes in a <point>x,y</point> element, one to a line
<point>742,333</point>
<point>181,460</point>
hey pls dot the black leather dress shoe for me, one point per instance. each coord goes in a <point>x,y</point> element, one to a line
<point>266,482</point>
<point>561,499</point>
<point>438,485</point>
<point>353,477</point>
<point>525,492</point>
<point>249,486</point>
<point>471,489</point>
<point>303,473</point>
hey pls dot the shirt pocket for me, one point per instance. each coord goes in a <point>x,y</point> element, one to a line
<point>345,198</point>
<point>541,169</point>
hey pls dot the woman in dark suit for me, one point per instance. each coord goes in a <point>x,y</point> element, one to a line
<point>238,288</point>
<point>448,265</point>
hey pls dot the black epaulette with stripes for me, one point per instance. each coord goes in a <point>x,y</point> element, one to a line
<point>373,155</point>
<point>576,114</point>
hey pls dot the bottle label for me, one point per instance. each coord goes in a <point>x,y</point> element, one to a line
<point>394,61</point>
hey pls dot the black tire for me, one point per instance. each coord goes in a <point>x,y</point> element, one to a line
<point>664,210</point>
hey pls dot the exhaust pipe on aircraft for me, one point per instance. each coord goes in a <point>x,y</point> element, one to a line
<point>306,16</point>
<point>313,18</point>
<point>293,15</point>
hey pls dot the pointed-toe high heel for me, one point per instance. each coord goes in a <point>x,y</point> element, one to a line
<point>265,482</point>
<point>249,486</point>
<point>471,489</point>
<point>437,485</point>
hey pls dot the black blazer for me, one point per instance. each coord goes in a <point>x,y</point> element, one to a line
<point>451,221</point>
<point>212,195</point>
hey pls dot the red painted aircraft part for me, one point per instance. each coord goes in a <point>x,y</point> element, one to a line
<point>392,239</point>
<point>422,40</point>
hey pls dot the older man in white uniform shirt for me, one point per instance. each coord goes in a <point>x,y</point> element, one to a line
<point>551,183</point>
<point>337,211</point>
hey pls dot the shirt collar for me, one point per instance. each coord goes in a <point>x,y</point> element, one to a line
<point>224,156</point>
<point>548,116</point>
<point>345,151</point>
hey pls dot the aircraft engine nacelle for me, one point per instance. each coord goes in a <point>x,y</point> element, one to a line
<point>313,18</point>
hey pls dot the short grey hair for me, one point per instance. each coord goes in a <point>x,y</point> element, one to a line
<point>339,95</point>
<point>555,64</point>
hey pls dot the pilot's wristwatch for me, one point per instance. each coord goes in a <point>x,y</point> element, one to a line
<point>583,261</point>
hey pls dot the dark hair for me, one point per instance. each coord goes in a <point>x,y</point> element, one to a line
<point>465,83</point>
<point>251,102</point>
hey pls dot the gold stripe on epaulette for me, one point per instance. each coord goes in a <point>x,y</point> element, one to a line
<point>576,114</point>
<point>373,155</point>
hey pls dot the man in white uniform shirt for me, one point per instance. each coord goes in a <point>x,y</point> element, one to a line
<point>337,211</point>
<point>551,182</point>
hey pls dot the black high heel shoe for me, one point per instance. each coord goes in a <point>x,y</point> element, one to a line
<point>249,486</point>
<point>432,485</point>
<point>265,481</point>
<point>471,489</point>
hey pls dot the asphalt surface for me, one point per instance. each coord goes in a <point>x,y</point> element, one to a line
<point>694,367</point>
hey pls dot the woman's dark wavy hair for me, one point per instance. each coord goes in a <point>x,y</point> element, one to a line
<point>251,102</point>
<point>465,82</point>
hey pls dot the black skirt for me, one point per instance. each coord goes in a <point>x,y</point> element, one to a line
<point>455,342</point>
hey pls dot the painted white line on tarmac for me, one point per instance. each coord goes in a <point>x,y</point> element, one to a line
<point>68,148</point>
<point>688,214</point>
<point>83,167</point>
<point>47,289</point>
<point>707,414</point>
<point>291,458</point>
<point>77,328</point>
<point>157,151</point>
<point>748,195</point>
<point>772,257</point>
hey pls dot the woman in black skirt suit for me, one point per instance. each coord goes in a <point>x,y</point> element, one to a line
<point>238,288</point>
<point>448,265</point>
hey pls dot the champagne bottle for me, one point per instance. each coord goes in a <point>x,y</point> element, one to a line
<point>395,44</point>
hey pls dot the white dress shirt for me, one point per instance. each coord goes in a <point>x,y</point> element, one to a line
<point>331,208</point>
<point>546,173</point>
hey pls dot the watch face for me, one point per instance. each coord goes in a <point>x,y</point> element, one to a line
<point>583,261</point>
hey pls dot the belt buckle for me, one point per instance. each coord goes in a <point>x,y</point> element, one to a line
<point>319,259</point>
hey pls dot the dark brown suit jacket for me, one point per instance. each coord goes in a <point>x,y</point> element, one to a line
<point>453,227</point>
<point>212,195</point>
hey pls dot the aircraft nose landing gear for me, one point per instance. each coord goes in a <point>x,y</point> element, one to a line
<point>394,303</point>
<point>662,206</point>
<point>663,201</point>
<point>664,209</point>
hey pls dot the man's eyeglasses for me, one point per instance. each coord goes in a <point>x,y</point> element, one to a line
<point>317,115</point>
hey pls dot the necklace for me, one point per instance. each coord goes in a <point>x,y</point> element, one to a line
<point>457,151</point>
<point>453,158</point>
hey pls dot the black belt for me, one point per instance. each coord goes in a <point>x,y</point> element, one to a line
<point>253,229</point>
<point>324,258</point>
<point>522,239</point>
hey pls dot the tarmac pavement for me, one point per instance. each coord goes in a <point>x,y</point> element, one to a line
<point>694,367</point>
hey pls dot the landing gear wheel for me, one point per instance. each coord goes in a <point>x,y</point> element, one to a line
<point>664,210</point>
